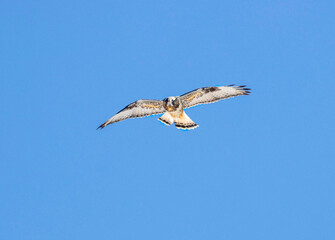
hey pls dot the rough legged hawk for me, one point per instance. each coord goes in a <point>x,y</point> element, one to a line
<point>173,107</point>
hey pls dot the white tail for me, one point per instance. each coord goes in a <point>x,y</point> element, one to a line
<point>166,119</point>
<point>184,122</point>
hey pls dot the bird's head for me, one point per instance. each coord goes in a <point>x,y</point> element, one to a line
<point>171,102</point>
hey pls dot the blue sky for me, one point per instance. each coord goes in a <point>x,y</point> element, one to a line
<point>258,167</point>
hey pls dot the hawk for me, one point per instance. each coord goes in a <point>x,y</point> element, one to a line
<point>172,108</point>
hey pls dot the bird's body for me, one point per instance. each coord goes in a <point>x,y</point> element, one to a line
<point>172,108</point>
<point>175,114</point>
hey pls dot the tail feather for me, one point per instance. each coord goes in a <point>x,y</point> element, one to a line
<point>184,122</point>
<point>166,119</point>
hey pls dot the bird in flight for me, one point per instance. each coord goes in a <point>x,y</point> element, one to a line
<point>172,108</point>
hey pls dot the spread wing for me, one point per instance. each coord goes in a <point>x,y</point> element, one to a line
<point>212,94</point>
<point>140,108</point>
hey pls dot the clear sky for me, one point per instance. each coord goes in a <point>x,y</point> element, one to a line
<point>258,167</point>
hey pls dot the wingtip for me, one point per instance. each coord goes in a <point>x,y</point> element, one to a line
<point>100,127</point>
<point>246,91</point>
